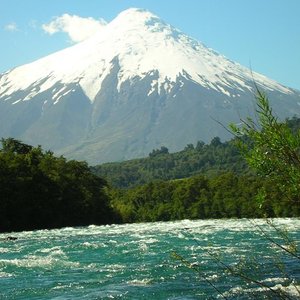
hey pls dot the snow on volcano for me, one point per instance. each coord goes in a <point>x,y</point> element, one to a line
<point>143,43</point>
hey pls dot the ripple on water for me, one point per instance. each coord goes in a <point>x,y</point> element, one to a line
<point>133,261</point>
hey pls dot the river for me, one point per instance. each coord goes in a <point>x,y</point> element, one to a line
<point>164,260</point>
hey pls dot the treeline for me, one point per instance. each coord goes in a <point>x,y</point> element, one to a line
<point>39,190</point>
<point>224,196</point>
<point>199,159</point>
<point>209,159</point>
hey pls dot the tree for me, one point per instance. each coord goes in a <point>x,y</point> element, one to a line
<point>216,141</point>
<point>272,149</point>
<point>162,150</point>
<point>200,145</point>
<point>15,146</point>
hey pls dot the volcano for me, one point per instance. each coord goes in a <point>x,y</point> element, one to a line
<point>136,85</point>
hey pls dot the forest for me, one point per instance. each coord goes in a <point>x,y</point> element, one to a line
<point>199,159</point>
<point>224,196</point>
<point>39,190</point>
<point>256,174</point>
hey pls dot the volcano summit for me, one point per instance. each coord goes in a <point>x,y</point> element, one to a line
<point>135,85</point>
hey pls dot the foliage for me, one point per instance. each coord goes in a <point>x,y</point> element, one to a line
<point>162,150</point>
<point>273,150</point>
<point>39,190</point>
<point>210,159</point>
<point>199,197</point>
<point>206,159</point>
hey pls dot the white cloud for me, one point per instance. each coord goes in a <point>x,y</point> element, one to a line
<point>11,27</point>
<point>76,27</point>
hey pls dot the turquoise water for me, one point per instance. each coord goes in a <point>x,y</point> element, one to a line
<point>137,261</point>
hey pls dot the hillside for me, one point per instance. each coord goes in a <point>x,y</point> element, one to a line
<point>209,159</point>
<point>205,159</point>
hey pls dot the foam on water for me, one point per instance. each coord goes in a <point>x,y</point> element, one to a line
<point>136,261</point>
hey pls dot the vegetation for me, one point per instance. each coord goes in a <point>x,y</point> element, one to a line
<point>224,196</point>
<point>211,160</point>
<point>214,181</point>
<point>273,151</point>
<point>39,190</point>
<point>200,159</point>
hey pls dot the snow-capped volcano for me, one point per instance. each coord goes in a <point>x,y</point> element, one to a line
<point>137,84</point>
<point>143,43</point>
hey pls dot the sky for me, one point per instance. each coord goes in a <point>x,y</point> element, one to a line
<point>263,35</point>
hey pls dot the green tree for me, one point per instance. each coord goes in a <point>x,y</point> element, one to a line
<point>14,146</point>
<point>272,149</point>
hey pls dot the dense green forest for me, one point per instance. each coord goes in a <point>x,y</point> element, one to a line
<point>224,196</point>
<point>223,186</point>
<point>39,190</point>
<point>200,159</point>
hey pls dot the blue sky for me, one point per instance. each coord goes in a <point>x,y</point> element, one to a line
<point>261,34</point>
